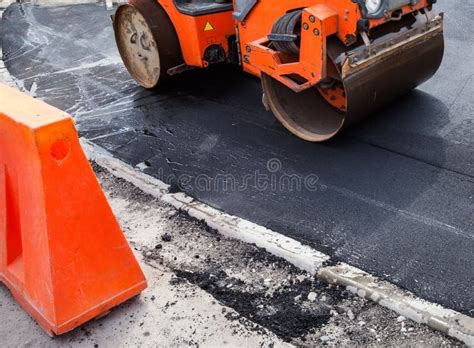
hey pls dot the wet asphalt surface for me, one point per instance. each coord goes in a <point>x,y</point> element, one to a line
<point>393,195</point>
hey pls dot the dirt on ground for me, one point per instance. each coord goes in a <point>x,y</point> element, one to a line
<point>265,292</point>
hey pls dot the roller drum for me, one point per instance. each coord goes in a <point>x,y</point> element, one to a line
<point>147,41</point>
<point>362,82</point>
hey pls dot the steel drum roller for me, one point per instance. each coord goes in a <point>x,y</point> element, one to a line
<point>402,56</point>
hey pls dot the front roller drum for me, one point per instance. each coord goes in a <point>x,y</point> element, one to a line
<point>318,114</point>
<point>147,41</point>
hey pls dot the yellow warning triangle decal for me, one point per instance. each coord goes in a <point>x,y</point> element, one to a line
<point>208,27</point>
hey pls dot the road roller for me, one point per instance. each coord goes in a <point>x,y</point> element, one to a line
<point>323,64</point>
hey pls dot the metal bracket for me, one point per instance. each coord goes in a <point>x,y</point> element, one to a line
<point>367,42</point>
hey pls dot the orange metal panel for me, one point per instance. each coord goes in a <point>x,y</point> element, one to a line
<point>318,22</point>
<point>193,37</point>
<point>259,22</point>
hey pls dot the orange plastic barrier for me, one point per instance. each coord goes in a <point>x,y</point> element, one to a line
<point>62,252</point>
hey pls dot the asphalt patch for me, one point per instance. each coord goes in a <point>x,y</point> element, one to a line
<point>277,312</point>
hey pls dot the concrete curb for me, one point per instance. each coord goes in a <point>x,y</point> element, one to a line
<point>277,244</point>
<point>449,322</point>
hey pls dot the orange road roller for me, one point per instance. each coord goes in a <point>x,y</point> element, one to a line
<point>324,64</point>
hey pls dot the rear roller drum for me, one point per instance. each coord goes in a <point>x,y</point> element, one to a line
<point>147,41</point>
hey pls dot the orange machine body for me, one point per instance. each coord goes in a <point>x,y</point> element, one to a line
<point>197,33</point>
<point>327,18</point>
<point>320,20</point>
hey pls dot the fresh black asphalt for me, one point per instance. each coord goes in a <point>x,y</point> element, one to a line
<point>393,195</point>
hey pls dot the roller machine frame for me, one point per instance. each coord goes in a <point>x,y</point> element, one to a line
<point>324,64</point>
